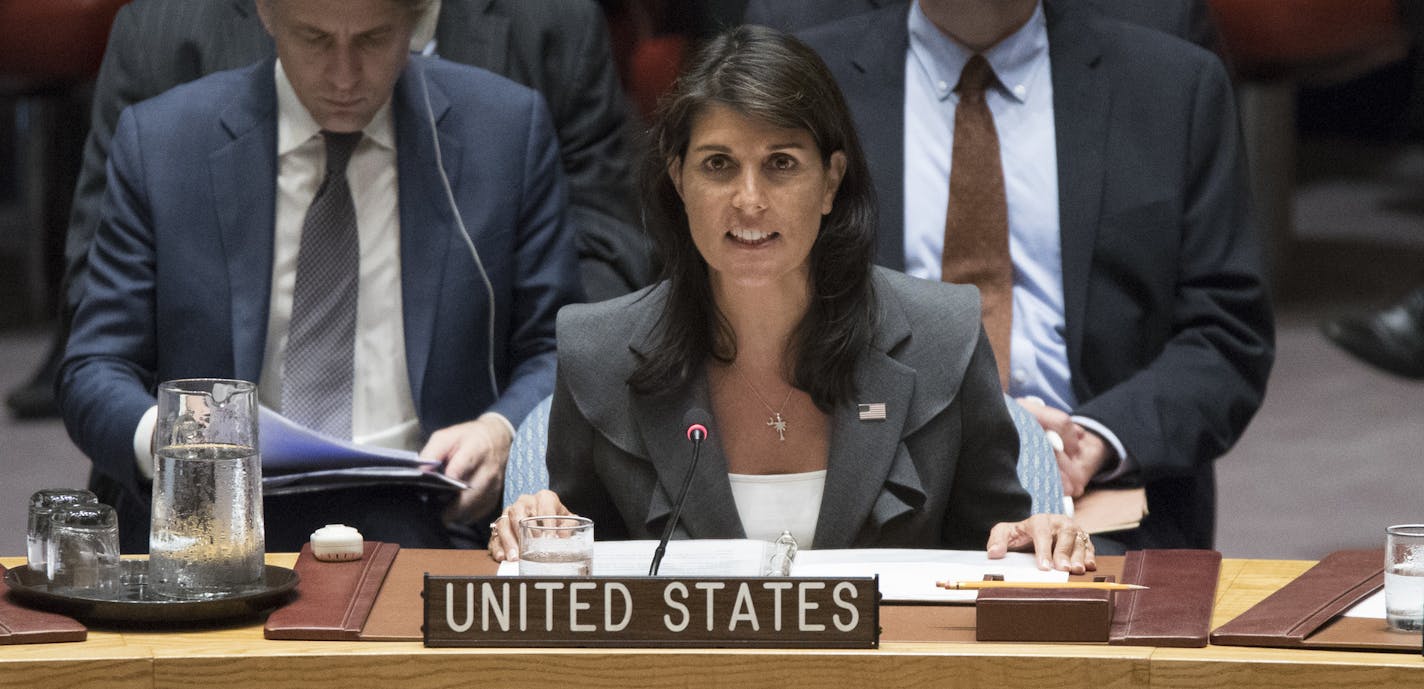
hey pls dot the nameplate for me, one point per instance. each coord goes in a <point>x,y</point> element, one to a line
<point>767,612</point>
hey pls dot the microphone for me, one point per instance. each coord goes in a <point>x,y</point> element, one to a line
<point>696,421</point>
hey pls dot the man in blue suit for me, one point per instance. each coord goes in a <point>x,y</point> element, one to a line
<point>199,261</point>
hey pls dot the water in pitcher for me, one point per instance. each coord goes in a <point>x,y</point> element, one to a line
<point>207,538</point>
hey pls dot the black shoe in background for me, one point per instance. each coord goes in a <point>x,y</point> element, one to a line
<point>1391,339</point>
<point>35,399</point>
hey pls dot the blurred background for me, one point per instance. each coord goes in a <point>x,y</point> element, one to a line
<point>1331,94</point>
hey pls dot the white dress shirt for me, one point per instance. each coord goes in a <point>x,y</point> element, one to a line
<point>1022,106</point>
<point>382,410</point>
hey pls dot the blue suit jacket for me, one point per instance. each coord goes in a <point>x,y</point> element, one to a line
<point>182,262</point>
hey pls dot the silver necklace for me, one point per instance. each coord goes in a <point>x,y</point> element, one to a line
<point>775,421</point>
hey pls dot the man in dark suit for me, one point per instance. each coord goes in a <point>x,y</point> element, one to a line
<point>1141,332</point>
<point>219,254</point>
<point>557,47</point>
<point>1189,19</point>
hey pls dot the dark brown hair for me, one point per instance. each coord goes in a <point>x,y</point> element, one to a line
<point>764,74</point>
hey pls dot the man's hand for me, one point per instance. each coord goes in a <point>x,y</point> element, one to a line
<point>474,452</point>
<point>1081,453</point>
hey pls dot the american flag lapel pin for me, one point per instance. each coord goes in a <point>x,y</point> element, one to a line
<point>875,411</point>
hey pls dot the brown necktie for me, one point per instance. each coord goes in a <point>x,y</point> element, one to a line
<point>976,229</point>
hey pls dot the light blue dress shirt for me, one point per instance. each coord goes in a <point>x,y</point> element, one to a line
<point>1022,106</point>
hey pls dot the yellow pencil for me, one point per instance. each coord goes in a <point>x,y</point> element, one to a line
<point>1098,585</point>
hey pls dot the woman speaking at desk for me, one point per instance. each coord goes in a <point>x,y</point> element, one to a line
<point>852,406</point>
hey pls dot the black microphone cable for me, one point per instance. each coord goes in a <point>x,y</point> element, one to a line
<point>460,225</point>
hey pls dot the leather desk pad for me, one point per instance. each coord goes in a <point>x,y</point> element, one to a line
<point>1304,613</point>
<point>21,625</point>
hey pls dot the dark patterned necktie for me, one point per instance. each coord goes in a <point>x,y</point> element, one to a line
<point>321,338</point>
<point>976,229</point>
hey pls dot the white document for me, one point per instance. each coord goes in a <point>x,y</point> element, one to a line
<point>906,575</point>
<point>1369,608</point>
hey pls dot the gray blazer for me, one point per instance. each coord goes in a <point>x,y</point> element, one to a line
<point>937,473</point>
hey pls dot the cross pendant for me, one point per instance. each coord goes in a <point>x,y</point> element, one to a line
<point>779,425</point>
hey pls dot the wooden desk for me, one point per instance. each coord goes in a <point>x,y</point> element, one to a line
<point>240,657</point>
<point>1243,584</point>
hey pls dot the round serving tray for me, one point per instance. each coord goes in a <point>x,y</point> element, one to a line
<point>134,603</point>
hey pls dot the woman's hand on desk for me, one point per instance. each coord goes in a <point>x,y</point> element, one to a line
<point>1057,541</point>
<point>504,531</point>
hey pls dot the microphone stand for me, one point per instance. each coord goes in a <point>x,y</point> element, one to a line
<point>697,436</point>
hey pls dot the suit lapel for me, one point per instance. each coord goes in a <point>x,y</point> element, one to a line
<point>877,94</point>
<point>469,33</point>
<point>710,510</point>
<point>862,453</point>
<point>243,175</point>
<point>1081,103</point>
<point>426,223</point>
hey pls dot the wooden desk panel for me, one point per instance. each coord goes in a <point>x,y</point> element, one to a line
<point>1228,667</point>
<point>104,661</point>
<point>239,657</point>
<point>913,665</point>
<point>1244,583</point>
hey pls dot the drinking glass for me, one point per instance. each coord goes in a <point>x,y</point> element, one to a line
<point>555,546</point>
<point>207,533</point>
<point>83,551</point>
<point>1404,577</point>
<point>37,533</point>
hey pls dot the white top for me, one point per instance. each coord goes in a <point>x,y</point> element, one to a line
<point>772,503</point>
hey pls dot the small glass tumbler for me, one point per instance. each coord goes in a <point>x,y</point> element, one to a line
<point>555,546</point>
<point>42,505</point>
<point>83,553</point>
<point>1404,577</point>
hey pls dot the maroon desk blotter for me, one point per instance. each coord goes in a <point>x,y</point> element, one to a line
<point>1306,612</point>
<point>1175,610</point>
<point>333,598</point>
<point>21,625</point>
